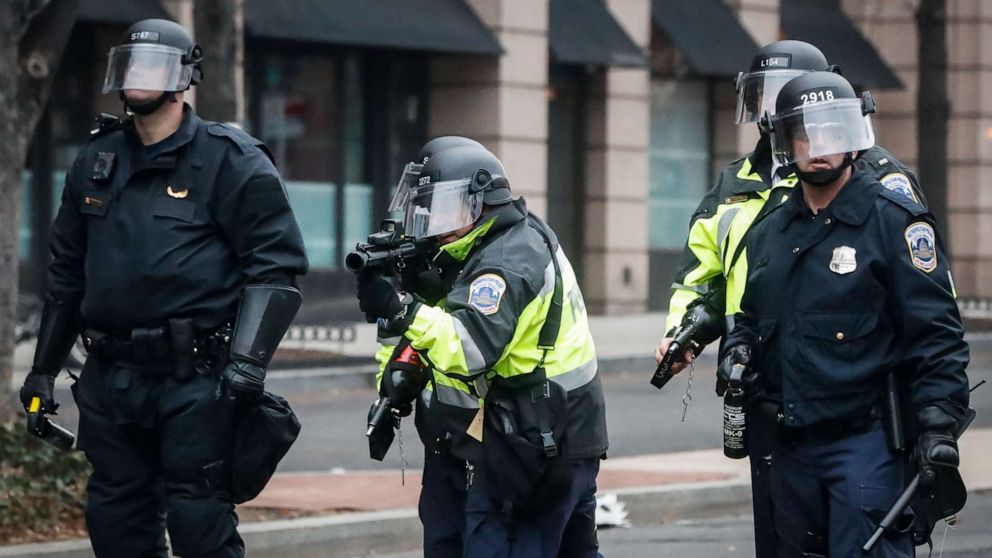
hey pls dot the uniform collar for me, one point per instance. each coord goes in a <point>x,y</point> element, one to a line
<point>499,218</point>
<point>852,204</point>
<point>182,136</point>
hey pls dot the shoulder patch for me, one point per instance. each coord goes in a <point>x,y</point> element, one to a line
<point>922,244</point>
<point>899,182</point>
<point>486,292</point>
<point>913,207</point>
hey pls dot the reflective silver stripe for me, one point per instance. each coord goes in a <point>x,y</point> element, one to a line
<point>425,397</point>
<point>392,341</point>
<point>577,377</point>
<point>455,397</point>
<point>723,227</point>
<point>549,279</point>
<point>473,355</point>
<point>698,289</point>
<point>728,323</point>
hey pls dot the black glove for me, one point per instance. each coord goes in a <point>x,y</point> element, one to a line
<point>936,449</point>
<point>243,381</point>
<point>378,298</point>
<point>42,385</point>
<point>738,354</point>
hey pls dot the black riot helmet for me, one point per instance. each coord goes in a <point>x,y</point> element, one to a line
<point>156,55</point>
<point>773,66</point>
<point>411,172</point>
<point>452,188</point>
<point>816,115</point>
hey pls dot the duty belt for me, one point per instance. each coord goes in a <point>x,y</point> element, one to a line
<point>177,343</point>
<point>772,413</point>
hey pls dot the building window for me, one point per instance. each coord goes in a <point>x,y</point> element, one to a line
<point>311,116</point>
<point>679,159</point>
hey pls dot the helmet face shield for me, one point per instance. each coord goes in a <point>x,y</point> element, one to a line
<point>820,129</point>
<point>443,207</point>
<point>145,66</point>
<point>406,185</point>
<point>756,92</point>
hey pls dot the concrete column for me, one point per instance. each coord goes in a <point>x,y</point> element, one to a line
<point>891,26</point>
<point>616,259</point>
<point>182,12</point>
<point>760,18</point>
<point>502,102</point>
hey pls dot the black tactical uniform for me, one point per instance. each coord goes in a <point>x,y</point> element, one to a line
<point>836,302</point>
<point>178,261</point>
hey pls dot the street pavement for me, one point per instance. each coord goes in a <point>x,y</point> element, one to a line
<point>724,537</point>
<point>328,470</point>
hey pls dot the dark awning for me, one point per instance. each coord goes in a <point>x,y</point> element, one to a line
<point>824,24</point>
<point>431,25</point>
<point>124,12</point>
<point>707,33</point>
<point>584,32</point>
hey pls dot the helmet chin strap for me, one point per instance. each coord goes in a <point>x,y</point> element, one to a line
<point>147,107</point>
<point>824,177</point>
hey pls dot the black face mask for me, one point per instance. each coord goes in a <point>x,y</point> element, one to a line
<point>824,177</point>
<point>147,107</point>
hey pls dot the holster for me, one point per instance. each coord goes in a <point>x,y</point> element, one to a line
<point>183,347</point>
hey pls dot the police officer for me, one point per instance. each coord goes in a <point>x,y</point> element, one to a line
<point>714,262</point>
<point>442,495</point>
<point>848,281</point>
<point>506,270</point>
<point>176,251</point>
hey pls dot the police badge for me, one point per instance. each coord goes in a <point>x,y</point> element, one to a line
<point>843,260</point>
<point>922,246</point>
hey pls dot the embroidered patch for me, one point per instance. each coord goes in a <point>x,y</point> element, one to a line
<point>922,246</point>
<point>486,292</point>
<point>899,182</point>
<point>737,199</point>
<point>843,260</point>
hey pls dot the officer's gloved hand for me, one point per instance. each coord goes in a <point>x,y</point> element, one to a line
<point>738,354</point>
<point>243,381</point>
<point>42,385</point>
<point>936,449</point>
<point>378,298</point>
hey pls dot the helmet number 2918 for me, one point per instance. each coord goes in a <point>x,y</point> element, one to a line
<point>817,97</point>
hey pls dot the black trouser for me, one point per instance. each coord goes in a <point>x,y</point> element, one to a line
<point>158,449</point>
<point>442,494</point>
<point>762,430</point>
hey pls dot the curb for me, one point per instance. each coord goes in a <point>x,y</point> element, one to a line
<point>368,533</point>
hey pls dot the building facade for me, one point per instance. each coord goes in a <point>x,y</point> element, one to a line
<point>612,117</point>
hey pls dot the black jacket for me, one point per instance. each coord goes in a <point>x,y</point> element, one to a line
<point>172,231</point>
<point>836,300</point>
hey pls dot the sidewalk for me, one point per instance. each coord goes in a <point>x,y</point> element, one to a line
<point>365,512</point>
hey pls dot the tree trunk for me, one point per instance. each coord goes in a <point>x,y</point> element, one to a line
<point>33,34</point>
<point>933,108</point>
<point>219,29</point>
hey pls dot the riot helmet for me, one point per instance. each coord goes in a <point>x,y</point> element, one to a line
<point>157,55</point>
<point>411,172</point>
<point>817,115</point>
<point>773,66</point>
<point>452,188</point>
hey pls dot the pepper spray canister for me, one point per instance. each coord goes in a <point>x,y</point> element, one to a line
<point>734,420</point>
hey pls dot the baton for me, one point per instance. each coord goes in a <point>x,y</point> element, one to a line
<point>907,495</point>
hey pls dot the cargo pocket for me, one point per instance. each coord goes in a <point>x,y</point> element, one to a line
<point>836,339</point>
